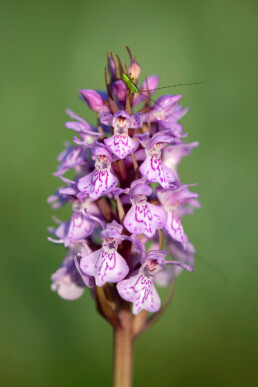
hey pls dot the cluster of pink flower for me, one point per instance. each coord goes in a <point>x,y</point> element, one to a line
<point>127,199</point>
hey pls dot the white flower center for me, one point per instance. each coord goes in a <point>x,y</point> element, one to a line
<point>139,199</point>
<point>121,126</point>
<point>151,268</point>
<point>102,162</point>
<point>110,244</point>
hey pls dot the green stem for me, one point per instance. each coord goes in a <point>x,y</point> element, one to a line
<point>123,350</point>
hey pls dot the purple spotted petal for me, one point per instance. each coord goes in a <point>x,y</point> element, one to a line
<point>175,229</point>
<point>80,227</point>
<point>136,121</point>
<point>141,292</point>
<point>97,183</point>
<point>155,171</point>
<point>121,145</point>
<point>105,266</point>
<point>143,138</point>
<point>145,219</point>
<point>106,118</point>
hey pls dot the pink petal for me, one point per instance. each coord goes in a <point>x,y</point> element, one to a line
<point>141,291</point>
<point>62,230</point>
<point>111,268</point>
<point>88,264</point>
<point>150,301</point>
<point>174,228</point>
<point>145,219</point>
<point>121,146</point>
<point>128,288</point>
<point>105,266</point>
<point>155,171</point>
<point>97,183</point>
<point>80,227</point>
<point>106,118</point>
<point>67,289</point>
<point>76,117</point>
<point>136,121</point>
<point>138,220</point>
<point>159,216</point>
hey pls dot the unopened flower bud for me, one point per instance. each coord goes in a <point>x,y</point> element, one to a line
<point>111,67</point>
<point>94,100</point>
<point>119,90</point>
<point>134,69</point>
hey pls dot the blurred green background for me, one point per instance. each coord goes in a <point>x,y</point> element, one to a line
<point>49,49</point>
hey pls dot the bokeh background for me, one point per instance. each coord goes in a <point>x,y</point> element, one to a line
<point>49,49</point>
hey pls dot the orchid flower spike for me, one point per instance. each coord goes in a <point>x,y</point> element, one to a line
<point>124,234</point>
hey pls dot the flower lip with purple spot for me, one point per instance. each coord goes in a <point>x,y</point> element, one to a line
<point>106,264</point>
<point>120,143</point>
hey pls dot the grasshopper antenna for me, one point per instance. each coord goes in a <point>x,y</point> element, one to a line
<point>213,267</point>
<point>179,84</point>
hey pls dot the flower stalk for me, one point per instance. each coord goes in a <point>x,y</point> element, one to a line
<point>123,350</point>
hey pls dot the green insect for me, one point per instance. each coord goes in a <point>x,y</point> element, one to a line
<point>134,89</point>
<point>129,83</point>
